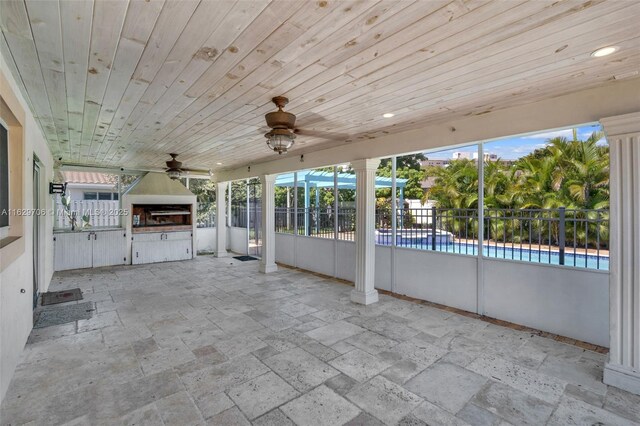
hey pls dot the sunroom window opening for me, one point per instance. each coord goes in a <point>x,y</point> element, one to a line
<point>305,203</point>
<point>239,204</point>
<point>205,192</point>
<point>346,203</point>
<point>320,207</point>
<point>546,198</point>
<point>439,209</point>
<point>384,203</point>
<point>254,216</point>
<point>284,208</point>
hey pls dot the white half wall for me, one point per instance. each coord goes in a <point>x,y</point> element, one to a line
<point>16,313</point>
<point>330,257</point>
<point>571,302</point>
<point>383,267</point>
<point>205,240</point>
<point>285,249</point>
<point>237,240</point>
<point>566,301</point>
<point>443,278</point>
<point>346,258</point>
<point>315,254</point>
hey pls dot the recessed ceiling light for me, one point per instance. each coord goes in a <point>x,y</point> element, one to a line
<point>388,115</point>
<point>604,51</point>
<point>219,164</point>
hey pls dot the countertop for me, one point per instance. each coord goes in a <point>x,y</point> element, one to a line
<point>92,229</point>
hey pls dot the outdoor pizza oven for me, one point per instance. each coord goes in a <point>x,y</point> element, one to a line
<point>161,220</point>
<point>155,217</point>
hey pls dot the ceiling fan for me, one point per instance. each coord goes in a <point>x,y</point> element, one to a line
<point>175,169</point>
<point>283,131</point>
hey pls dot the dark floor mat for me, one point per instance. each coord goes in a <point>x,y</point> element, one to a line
<point>245,258</point>
<point>64,314</point>
<point>53,297</point>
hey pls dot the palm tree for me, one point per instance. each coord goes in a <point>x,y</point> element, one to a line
<point>456,187</point>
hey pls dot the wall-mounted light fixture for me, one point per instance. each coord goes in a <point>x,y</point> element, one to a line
<point>57,188</point>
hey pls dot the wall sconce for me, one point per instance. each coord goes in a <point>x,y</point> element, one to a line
<point>57,188</point>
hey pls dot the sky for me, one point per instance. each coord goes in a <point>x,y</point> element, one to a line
<point>514,148</point>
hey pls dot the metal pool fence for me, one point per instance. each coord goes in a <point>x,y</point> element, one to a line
<point>572,237</point>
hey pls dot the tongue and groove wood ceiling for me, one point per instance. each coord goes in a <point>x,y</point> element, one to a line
<point>123,83</point>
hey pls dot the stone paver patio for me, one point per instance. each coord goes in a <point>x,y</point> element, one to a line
<point>212,341</point>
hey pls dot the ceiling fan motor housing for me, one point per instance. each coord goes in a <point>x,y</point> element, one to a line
<point>173,163</point>
<point>280,137</point>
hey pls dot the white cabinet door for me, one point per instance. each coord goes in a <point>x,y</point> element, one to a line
<point>73,250</point>
<point>160,251</point>
<point>145,252</point>
<point>161,247</point>
<point>109,248</point>
<point>179,249</point>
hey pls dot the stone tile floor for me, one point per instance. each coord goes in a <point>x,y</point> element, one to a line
<point>212,341</point>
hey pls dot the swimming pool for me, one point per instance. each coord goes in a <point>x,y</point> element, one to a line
<point>522,254</point>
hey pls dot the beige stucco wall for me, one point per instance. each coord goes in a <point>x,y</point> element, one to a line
<point>16,315</point>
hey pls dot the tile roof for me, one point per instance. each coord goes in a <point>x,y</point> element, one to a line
<point>89,177</point>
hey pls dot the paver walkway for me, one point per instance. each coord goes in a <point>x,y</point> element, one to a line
<point>212,341</point>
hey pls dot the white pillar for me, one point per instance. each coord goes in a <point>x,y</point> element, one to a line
<point>623,367</point>
<point>268,261</point>
<point>229,205</point>
<point>307,207</point>
<point>365,293</point>
<point>221,223</point>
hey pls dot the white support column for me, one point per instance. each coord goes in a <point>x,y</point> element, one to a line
<point>229,205</point>
<point>221,223</point>
<point>247,217</point>
<point>268,261</point>
<point>307,207</point>
<point>365,292</point>
<point>480,269</point>
<point>394,219</point>
<point>623,367</point>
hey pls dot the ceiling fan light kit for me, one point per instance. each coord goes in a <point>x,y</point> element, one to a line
<point>281,137</point>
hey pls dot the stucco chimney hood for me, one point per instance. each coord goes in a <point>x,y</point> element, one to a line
<point>158,184</point>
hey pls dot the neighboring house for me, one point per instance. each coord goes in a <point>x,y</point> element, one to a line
<point>91,186</point>
<point>435,163</point>
<point>94,195</point>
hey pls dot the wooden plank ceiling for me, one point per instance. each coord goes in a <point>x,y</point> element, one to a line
<point>123,83</point>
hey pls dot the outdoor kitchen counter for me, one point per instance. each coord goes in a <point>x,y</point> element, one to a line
<point>69,231</point>
<point>89,248</point>
<point>158,229</point>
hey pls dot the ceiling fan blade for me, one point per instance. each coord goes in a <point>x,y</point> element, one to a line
<point>200,171</point>
<point>322,134</point>
<point>309,119</point>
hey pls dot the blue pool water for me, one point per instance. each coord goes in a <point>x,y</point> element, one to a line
<point>525,255</point>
